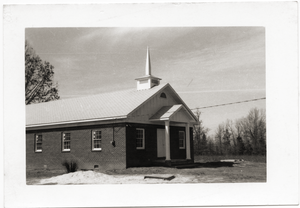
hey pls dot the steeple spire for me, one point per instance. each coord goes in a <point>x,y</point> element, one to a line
<point>148,81</point>
<point>148,63</point>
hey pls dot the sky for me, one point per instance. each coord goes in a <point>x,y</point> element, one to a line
<point>205,65</point>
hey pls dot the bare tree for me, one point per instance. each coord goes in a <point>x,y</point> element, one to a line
<point>219,133</point>
<point>254,126</point>
<point>239,127</point>
<point>211,147</point>
<point>226,142</point>
<point>246,135</point>
<point>230,126</point>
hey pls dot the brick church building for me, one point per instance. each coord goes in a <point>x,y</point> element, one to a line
<point>114,130</point>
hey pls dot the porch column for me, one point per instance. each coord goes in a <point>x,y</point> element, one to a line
<point>187,138</point>
<point>167,137</point>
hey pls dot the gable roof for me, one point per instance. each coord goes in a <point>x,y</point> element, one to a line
<point>105,106</point>
<point>166,112</point>
<point>102,106</point>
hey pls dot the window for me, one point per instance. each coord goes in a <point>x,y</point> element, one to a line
<point>66,146</point>
<point>163,95</point>
<point>96,140</point>
<point>38,142</point>
<point>181,140</point>
<point>140,139</point>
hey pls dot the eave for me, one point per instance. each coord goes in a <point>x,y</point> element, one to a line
<point>86,122</point>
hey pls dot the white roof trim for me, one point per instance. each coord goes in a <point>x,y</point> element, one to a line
<point>177,110</point>
<point>130,113</point>
<point>77,121</point>
<point>176,94</point>
<point>172,113</point>
<point>185,105</point>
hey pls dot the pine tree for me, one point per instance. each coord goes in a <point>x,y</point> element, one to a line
<point>199,131</point>
<point>204,145</point>
<point>248,148</point>
<point>240,145</point>
<point>226,142</point>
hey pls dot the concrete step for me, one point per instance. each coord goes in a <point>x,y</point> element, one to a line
<point>192,165</point>
<point>171,163</point>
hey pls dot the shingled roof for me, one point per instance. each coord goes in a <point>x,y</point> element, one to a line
<point>96,107</point>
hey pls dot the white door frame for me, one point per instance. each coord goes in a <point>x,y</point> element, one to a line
<point>161,149</point>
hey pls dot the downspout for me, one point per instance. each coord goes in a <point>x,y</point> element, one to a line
<point>113,140</point>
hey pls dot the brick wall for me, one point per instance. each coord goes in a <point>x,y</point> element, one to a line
<point>142,157</point>
<point>176,153</point>
<point>109,157</point>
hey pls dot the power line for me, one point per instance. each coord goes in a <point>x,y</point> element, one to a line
<point>212,106</point>
<point>244,101</point>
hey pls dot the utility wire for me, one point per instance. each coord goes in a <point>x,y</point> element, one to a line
<point>215,105</point>
<point>212,106</point>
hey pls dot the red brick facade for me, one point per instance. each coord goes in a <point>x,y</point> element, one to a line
<point>110,157</point>
<point>123,155</point>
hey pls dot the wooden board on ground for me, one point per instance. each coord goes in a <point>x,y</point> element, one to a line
<point>157,177</point>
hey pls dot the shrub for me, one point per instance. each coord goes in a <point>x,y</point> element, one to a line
<point>71,166</point>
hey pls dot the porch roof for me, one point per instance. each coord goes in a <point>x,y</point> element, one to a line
<point>173,111</point>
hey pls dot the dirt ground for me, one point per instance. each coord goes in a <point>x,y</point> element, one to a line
<point>242,172</point>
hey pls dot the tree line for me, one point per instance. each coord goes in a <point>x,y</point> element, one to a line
<point>244,136</point>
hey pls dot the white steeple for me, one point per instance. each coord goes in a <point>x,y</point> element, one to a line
<point>148,64</point>
<point>148,81</point>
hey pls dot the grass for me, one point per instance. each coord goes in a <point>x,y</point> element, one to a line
<point>214,158</point>
<point>252,169</point>
<point>244,172</point>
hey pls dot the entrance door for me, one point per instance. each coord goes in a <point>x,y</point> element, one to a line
<point>161,143</point>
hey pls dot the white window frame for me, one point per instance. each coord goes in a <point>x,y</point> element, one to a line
<point>182,147</point>
<point>63,142</point>
<point>143,139</point>
<point>36,142</point>
<point>94,138</point>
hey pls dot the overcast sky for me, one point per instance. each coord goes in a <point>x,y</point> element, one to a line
<point>205,65</point>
